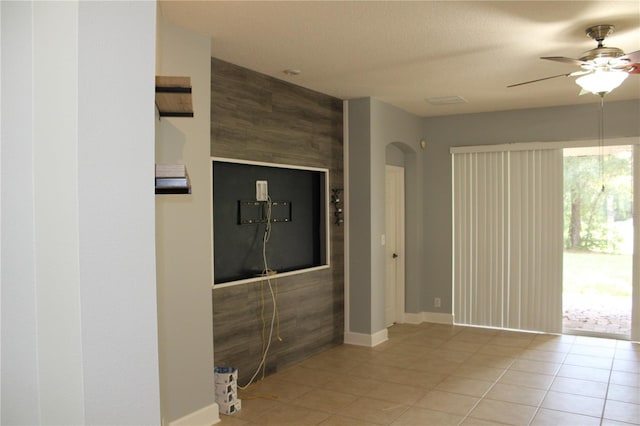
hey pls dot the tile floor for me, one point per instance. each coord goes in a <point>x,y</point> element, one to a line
<point>432,374</point>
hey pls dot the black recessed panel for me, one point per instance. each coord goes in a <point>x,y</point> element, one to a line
<point>297,238</point>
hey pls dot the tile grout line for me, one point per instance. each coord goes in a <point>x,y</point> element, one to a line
<point>466,416</point>
<point>481,398</point>
<point>546,391</point>
<point>606,398</point>
<point>555,376</point>
<point>606,394</point>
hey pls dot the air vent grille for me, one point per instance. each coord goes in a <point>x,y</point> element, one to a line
<point>447,100</point>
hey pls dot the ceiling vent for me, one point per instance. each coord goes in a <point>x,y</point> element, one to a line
<point>447,100</point>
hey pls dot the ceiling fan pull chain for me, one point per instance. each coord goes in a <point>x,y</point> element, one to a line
<point>601,139</point>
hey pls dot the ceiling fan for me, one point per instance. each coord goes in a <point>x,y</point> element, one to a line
<point>602,68</point>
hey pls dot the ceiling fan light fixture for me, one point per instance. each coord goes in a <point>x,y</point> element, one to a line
<point>601,81</point>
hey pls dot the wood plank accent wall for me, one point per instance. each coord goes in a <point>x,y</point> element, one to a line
<point>260,118</point>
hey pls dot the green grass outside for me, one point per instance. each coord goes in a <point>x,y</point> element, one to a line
<point>597,274</point>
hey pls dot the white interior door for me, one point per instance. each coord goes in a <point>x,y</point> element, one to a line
<point>394,248</point>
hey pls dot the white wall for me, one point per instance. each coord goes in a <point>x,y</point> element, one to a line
<point>183,232</point>
<point>79,336</point>
<point>117,245</point>
<point>19,372</point>
<point>56,215</point>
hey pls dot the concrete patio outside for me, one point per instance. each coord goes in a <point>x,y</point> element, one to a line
<point>597,314</point>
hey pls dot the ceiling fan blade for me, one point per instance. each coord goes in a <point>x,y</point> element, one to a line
<point>564,59</point>
<point>632,57</point>
<point>583,72</point>
<point>541,79</point>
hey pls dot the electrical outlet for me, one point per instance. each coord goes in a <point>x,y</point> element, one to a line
<point>436,302</point>
<point>262,194</point>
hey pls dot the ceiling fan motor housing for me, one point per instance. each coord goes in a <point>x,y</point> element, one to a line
<point>601,53</point>
<point>600,32</point>
<point>601,56</point>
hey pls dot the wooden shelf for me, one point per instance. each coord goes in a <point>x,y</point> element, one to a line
<point>173,96</point>
<point>172,179</point>
<point>180,190</point>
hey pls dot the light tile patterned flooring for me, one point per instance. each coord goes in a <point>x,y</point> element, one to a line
<point>432,374</point>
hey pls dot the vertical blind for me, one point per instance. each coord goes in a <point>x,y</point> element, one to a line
<point>507,239</point>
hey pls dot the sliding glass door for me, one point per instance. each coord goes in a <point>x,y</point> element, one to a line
<point>598,241</point>
<point>543,237</point>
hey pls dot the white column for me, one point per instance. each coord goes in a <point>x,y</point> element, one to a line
<point>79,319</point>
<point>55,191</point>
<point>116,82</point>
<point>19,372</point>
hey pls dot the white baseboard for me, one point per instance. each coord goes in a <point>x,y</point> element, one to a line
<point>433,317</point>
<point>438,318</point>
<point>368,340</point>
<point>413,318</point>
<point>203,417</point>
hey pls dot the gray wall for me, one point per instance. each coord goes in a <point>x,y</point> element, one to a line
<point>533,125</point>
<point>359,215</point>
<point>183,235</point>
<point>259,118</point>
<point>394,156</point>
<point>373,125</point>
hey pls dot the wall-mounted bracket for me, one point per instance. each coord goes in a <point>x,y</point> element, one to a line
<point>252,212</point>
<point>336,200</point>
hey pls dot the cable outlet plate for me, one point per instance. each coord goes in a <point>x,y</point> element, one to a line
<point>262,193</point>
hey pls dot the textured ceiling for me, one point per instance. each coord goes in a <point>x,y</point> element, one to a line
<point>403,52</point>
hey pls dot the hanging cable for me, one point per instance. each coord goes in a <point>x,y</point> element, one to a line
<point>601,140</point>
<point>266,273</point>
<point>278,336</point>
